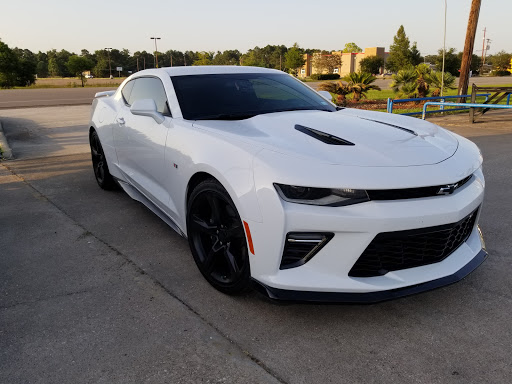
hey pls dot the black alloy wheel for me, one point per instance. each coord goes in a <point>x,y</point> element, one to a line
<point>99,163</point>
<point>217,238</point>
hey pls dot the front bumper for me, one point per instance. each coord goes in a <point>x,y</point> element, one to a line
<point>369,297</point>
<point>325,277</point>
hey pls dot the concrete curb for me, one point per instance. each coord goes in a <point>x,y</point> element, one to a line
<point>6,150</point>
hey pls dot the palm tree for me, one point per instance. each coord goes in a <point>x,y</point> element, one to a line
<point>436,80</point>
<point>405,82</point>
<point>360,83</point>
<point>338,88</point>
<point>423,81</point>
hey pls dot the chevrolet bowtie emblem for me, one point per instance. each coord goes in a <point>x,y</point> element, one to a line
<point>447,189</point>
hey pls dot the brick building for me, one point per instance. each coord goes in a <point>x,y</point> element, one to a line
<point>350,62</point>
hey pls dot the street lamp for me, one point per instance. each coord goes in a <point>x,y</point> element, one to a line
<point>156,50</point>
<point>109,66</point>
<point>444,48</point>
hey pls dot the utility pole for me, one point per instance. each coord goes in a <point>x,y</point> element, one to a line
<point>109,65</point>
<point>137,64</point>
<point>483,53</point>
<point>468,48</point>
<point>487,46</point>
<point>156,50</point>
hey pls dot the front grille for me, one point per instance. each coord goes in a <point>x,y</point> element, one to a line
<point>414,193</point>
<point>392,251</point>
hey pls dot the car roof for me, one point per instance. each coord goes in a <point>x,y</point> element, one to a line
<point>206,70</point>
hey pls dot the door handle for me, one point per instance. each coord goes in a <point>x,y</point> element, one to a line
<point>120,120</point>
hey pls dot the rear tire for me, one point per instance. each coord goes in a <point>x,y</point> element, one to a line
<point>99,163</point>
<point>217,238</point>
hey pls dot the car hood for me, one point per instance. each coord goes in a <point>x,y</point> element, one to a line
<point>379,139</point>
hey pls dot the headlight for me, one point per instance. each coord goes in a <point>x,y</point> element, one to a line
<point>333,197</point>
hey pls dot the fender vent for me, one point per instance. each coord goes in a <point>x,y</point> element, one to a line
<point>322,136</point>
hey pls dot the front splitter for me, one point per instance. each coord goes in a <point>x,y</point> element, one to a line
<point>369,297</point>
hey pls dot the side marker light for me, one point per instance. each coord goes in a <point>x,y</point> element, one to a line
<point>249,237</point>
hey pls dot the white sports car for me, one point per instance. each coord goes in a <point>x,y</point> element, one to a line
<point>275,186</point>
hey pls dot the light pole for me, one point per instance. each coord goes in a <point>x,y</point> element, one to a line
<point>444,49</point>
<point>156,50</point>
<point>109,66</point>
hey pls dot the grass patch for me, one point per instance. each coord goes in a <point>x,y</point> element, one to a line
<point>376,100</point>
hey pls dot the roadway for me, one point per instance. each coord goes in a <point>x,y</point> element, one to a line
<point>40,97</point>
<point>45,97</point>
<point>96,288</point>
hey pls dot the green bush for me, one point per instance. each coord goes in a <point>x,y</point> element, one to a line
<point>500,73</point>
<point>326,76</point>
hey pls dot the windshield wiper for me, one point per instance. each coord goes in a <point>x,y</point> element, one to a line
<point>227,116</point>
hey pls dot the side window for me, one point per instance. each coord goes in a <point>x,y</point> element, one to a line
<point>150,88</point>
<point>127,90</point>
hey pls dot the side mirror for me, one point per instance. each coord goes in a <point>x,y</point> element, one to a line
<point>147,107</point>
<point>326,95</point>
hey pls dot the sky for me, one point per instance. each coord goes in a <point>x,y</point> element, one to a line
<point>203,25</point>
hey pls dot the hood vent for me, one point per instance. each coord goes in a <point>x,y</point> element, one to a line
<point>392,125</point>
<point>322,136</point>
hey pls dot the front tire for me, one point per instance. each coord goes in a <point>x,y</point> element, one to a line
<point>217,238</point>
<point>99,163</point>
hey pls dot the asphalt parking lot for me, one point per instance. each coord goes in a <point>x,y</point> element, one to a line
<point>96,288</point>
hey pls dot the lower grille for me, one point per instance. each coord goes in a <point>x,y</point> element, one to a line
<point>392,251</point>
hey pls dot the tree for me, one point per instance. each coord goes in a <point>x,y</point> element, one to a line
<point>423,79</point>
<point>360,83</point>
<point>62,58</point>
<point>77,65</point>
<point>451,61</point>
<point>352,48</point>
<point>42,64</point>
<point>500,61</point>
<point>145,60</point>
<point>53,67</point>
<point>189,57</point>
<point>326,62</point>
<point>8,66</point>
<point>401,55</point>
<point>17,67</point>
<point>204,58</point>
<point>476,62</point>
<point>294,59</point>
<point>404,82</point>
<point>372,64</point>
<point>340,89</point>
<point>42,69</point>
<point>229,57</point>
<point>415,55</point>
<point>436,81</point>
<point>26,68</point>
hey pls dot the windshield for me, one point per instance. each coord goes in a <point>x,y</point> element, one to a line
<point>243,95</point>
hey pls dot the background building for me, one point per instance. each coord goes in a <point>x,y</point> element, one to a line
<point>350,62</point>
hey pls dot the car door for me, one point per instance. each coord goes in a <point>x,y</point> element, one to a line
<point>140,140</point>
